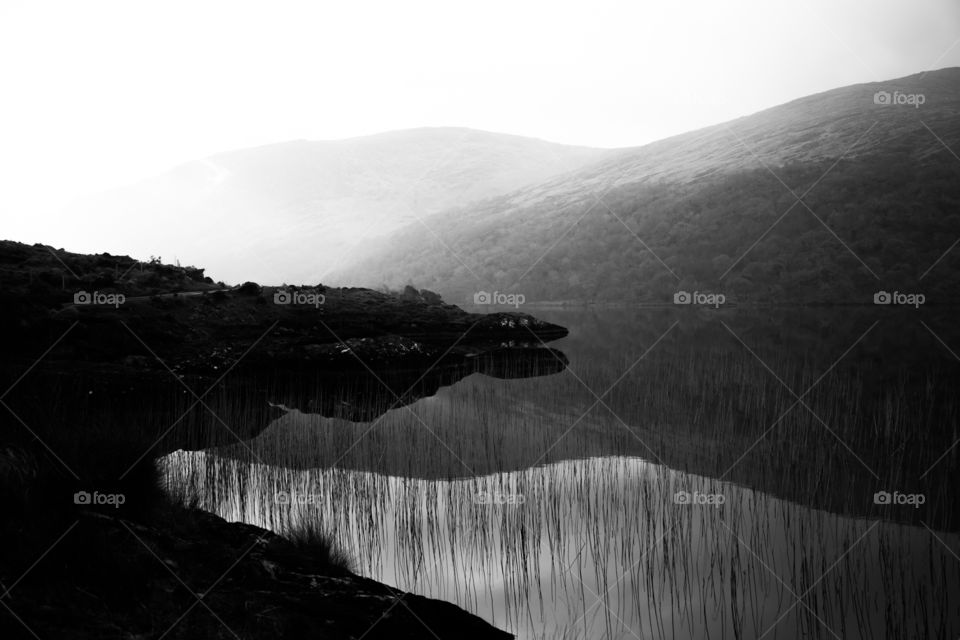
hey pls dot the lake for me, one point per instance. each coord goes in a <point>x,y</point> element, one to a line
<point>692,473</point>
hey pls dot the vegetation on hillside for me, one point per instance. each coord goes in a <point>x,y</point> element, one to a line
<point>49,275</point>
<point>742,234</point>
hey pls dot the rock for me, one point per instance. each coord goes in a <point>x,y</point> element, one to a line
<point>430,297</point>
<point>249,289</point>
<point>260,586</point>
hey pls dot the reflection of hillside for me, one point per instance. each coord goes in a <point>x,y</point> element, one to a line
<point>157,408</point>
<point>820,335</point>
<point>366,395</point>
<point>699,401</point>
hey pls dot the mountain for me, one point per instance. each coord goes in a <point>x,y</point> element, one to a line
<point>290,212</point>
<point>876,167</point>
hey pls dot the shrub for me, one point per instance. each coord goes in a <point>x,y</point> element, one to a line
<point>250,289</point>
<point>311,538</point>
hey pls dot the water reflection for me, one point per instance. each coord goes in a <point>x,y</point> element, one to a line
<point>171,412</point>
<point>612,547</point>
<point>366,395</point>
<point>796,418</point>
<point>818,412</point>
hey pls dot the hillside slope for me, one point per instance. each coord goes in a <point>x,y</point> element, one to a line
<point>713,210</point>
<point>290,212</point>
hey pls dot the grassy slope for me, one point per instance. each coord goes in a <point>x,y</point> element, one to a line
<point>701,210</point>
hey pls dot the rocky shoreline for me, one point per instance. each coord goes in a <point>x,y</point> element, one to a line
<point>194,575</point>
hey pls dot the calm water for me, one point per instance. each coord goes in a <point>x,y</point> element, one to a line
<point>691,474</point>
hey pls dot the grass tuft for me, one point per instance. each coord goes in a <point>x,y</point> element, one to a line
<point>311,538</point>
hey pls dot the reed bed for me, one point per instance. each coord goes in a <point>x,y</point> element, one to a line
<point>599,547</point>
<point>714,413</point>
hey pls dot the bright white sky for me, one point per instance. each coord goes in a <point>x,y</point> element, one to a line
<point>98,94</point>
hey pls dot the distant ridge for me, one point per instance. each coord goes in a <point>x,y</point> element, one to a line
<point>288,212</point>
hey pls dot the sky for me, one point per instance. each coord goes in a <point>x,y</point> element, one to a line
<point>100,94</point>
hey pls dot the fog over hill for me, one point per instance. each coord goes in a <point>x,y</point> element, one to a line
<point>461,210</point>
<point>718,209</point>
<point>289,212</point>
